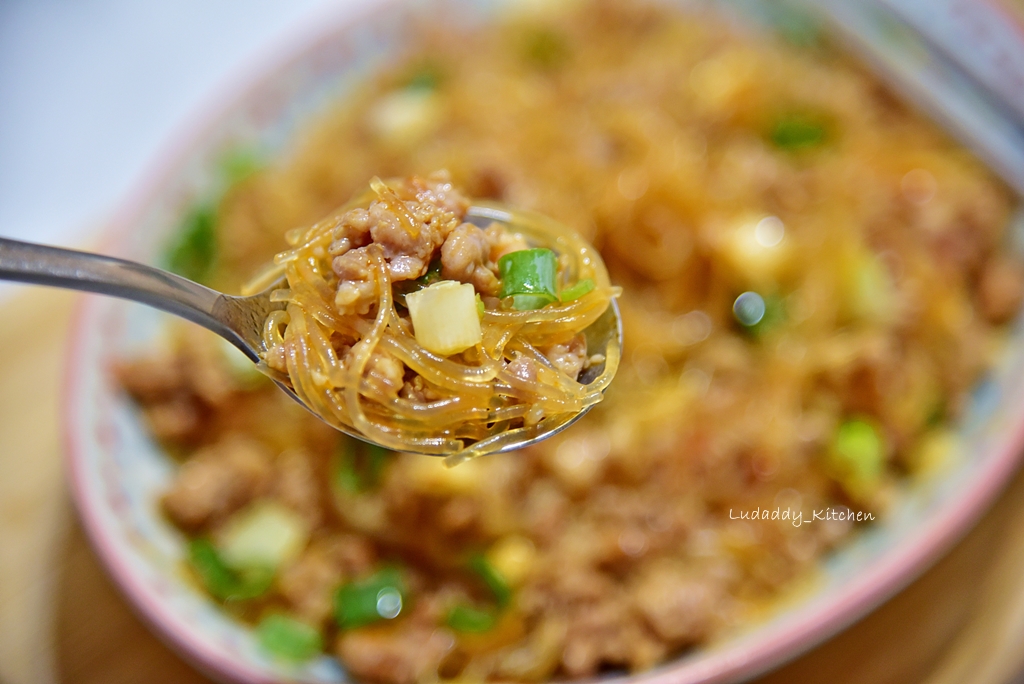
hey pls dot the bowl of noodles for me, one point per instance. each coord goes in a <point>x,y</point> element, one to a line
<point>820,387</point>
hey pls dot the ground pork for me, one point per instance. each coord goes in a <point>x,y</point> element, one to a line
<point>408,222</point>
<point>465,256</point>
<point>416,389</point>
<point>309,583</point>
<point>176,390</point>
<point>1000,289</point>
<point>602,626</point>
<point>678,605</point>
<point>402,655</point>
<point>296,485</point>
<point>387,371</point>
<point>177,419</point>
<point>357,286</point>
<point>218,480</point>
<point>568,357</point>
<point>522,368</point>
<point>607,633</point>
<point>152,379</point>
<point>503,242</point>
<point>352,232</point>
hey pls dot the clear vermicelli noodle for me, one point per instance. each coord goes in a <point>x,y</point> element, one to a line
<point>346,341</point>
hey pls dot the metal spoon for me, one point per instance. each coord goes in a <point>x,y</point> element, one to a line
<point>239,320</point>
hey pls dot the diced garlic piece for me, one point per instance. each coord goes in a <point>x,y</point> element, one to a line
<point>266,534</point>
<point>513,557</point>
<point>445,318</point>
<point>404,117</point>
<point>719,82</point>
<point>871,294</point>
<point>935,452</point>
<point>755,248</point>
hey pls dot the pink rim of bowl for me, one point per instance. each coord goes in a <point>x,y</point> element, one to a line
<point>733,662</point>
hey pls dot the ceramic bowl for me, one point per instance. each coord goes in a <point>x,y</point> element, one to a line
<point>117,472</point>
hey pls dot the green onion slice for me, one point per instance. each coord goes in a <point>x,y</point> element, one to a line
<point>380,596</point>
<point>574,292</point>
<point>528,276</point>
<point>798,132</point>
<point>428,76</point>
<point>346,477</point>
<point>223,582</point>
<point>288,638</point>
<point>463,618</point>
<point>194,251</point>
<point>492,578</point>
<point>357,468</point>
<point>240,163</point>
<point>858,451</point>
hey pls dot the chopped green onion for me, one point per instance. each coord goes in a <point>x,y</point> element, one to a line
<point>797,132</point>
<point>758,315</point>
<point>288,638</point>
<point>794,24</point>
<point>774,315</point>
<point>574,292</point>
<point>223,582</point>
<point>253,583</point>
<point>528,276</point>
<point>492,578</point>
<point>195,250</point>
<point>345,476</point>
<point>218,579</point>
<point>377,597</point>
<point>749,308</point>
<point>240,163</point>
<point>377,458</point>
<point>426,76</point>
<point>358,467</point>
<point>857,455</point>
<point>530,302</point>
<point>463,618</point>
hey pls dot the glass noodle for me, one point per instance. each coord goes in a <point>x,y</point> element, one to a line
<point>476,402</point>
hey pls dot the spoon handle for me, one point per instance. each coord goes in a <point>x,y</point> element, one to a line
<point>25,262</point>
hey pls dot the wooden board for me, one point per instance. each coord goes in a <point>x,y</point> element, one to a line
<point>62,620</point>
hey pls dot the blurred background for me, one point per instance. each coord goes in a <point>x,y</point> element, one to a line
<point>92,89</point>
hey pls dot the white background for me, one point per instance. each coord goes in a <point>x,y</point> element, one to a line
<point>90,90</point>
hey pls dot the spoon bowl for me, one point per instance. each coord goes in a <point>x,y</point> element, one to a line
<point>240,320</point>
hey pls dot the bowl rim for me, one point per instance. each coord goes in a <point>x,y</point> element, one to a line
<point>813,625</point>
